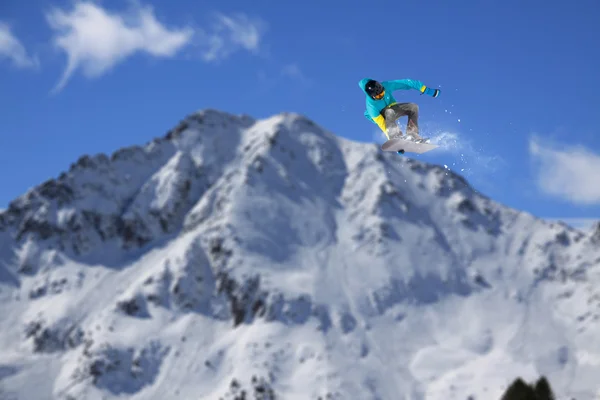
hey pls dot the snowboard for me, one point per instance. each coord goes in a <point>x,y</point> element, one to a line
<point>402,146</point>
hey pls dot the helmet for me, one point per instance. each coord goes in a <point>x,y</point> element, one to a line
<point>374,89</point>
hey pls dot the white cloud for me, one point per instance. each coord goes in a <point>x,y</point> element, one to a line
<point>95,40</point>
<point>229,34</point>
<point>13,49</point>
<point>568,172</point>
<point>293,71</point>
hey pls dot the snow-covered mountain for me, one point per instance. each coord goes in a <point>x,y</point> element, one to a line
<point>274,258</point>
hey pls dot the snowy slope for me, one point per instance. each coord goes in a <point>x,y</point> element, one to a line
<point>275,258</point>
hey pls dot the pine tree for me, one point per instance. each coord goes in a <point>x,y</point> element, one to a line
<point>519,390</point>
<point>543,390</point>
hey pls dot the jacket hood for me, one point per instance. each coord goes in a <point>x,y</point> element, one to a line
<point>363,82</point>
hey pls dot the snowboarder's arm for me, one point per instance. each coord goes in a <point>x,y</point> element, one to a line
<point>380,121</point>
<point>375,118</point>
<point>404,84</point>
<point>407,84</point>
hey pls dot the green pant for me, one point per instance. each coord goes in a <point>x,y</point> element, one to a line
<point>395,111</point>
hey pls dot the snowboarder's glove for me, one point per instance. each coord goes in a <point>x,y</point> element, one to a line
<point>431,92</point>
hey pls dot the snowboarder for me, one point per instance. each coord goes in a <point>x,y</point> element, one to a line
<point>384,110</point>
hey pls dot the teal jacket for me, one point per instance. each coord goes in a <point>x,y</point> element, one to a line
<point>374,107</point>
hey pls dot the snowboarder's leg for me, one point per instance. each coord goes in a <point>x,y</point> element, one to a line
<point>391,115</point>
<point>412,111</point>
<point>391,127</point>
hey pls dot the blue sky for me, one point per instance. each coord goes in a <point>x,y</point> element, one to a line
<point>519,80</point>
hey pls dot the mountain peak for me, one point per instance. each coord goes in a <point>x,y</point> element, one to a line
<point>272,255</point>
